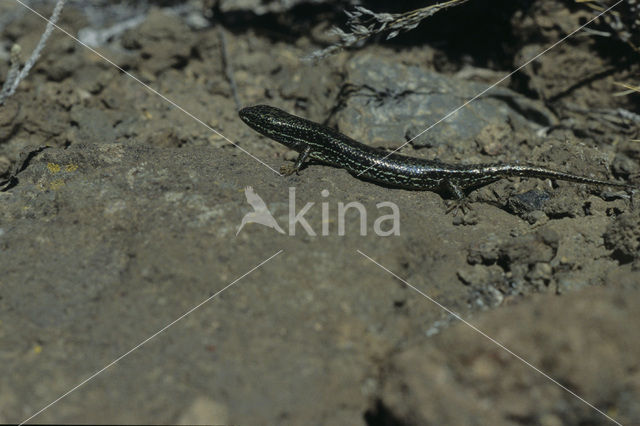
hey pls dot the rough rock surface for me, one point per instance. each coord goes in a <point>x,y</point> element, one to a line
<point>122,211</point>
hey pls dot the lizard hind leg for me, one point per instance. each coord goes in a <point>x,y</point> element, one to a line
<point>460,202</point>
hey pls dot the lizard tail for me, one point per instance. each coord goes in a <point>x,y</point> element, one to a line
<point>544,173</point>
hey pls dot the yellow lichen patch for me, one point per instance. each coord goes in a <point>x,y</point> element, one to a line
<point>56,184</point>
<point>37,349</point>
<point>53,167</point>
<point>70,168</point>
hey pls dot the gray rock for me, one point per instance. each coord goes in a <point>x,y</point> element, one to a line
<point>391,103</point>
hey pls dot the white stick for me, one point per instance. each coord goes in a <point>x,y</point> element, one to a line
<point>11,84</point>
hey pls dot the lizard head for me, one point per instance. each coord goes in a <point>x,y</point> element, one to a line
<point>276,124</point>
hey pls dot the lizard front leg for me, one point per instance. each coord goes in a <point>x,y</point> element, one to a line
<point>288,169</point>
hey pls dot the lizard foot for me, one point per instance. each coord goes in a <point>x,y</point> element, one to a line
<point>461,204</point>
<point>288,169</point>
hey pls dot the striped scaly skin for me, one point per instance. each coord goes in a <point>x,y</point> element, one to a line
<point>317,142</point>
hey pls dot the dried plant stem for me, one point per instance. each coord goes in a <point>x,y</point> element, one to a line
<point>228,67</point>
<point>12,75</point>
<point>630,88</point>
<point>363,23</point>
<point>14,78</point>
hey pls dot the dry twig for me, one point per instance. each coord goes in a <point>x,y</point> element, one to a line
<point>363,24</point>
<point>14,77</point>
